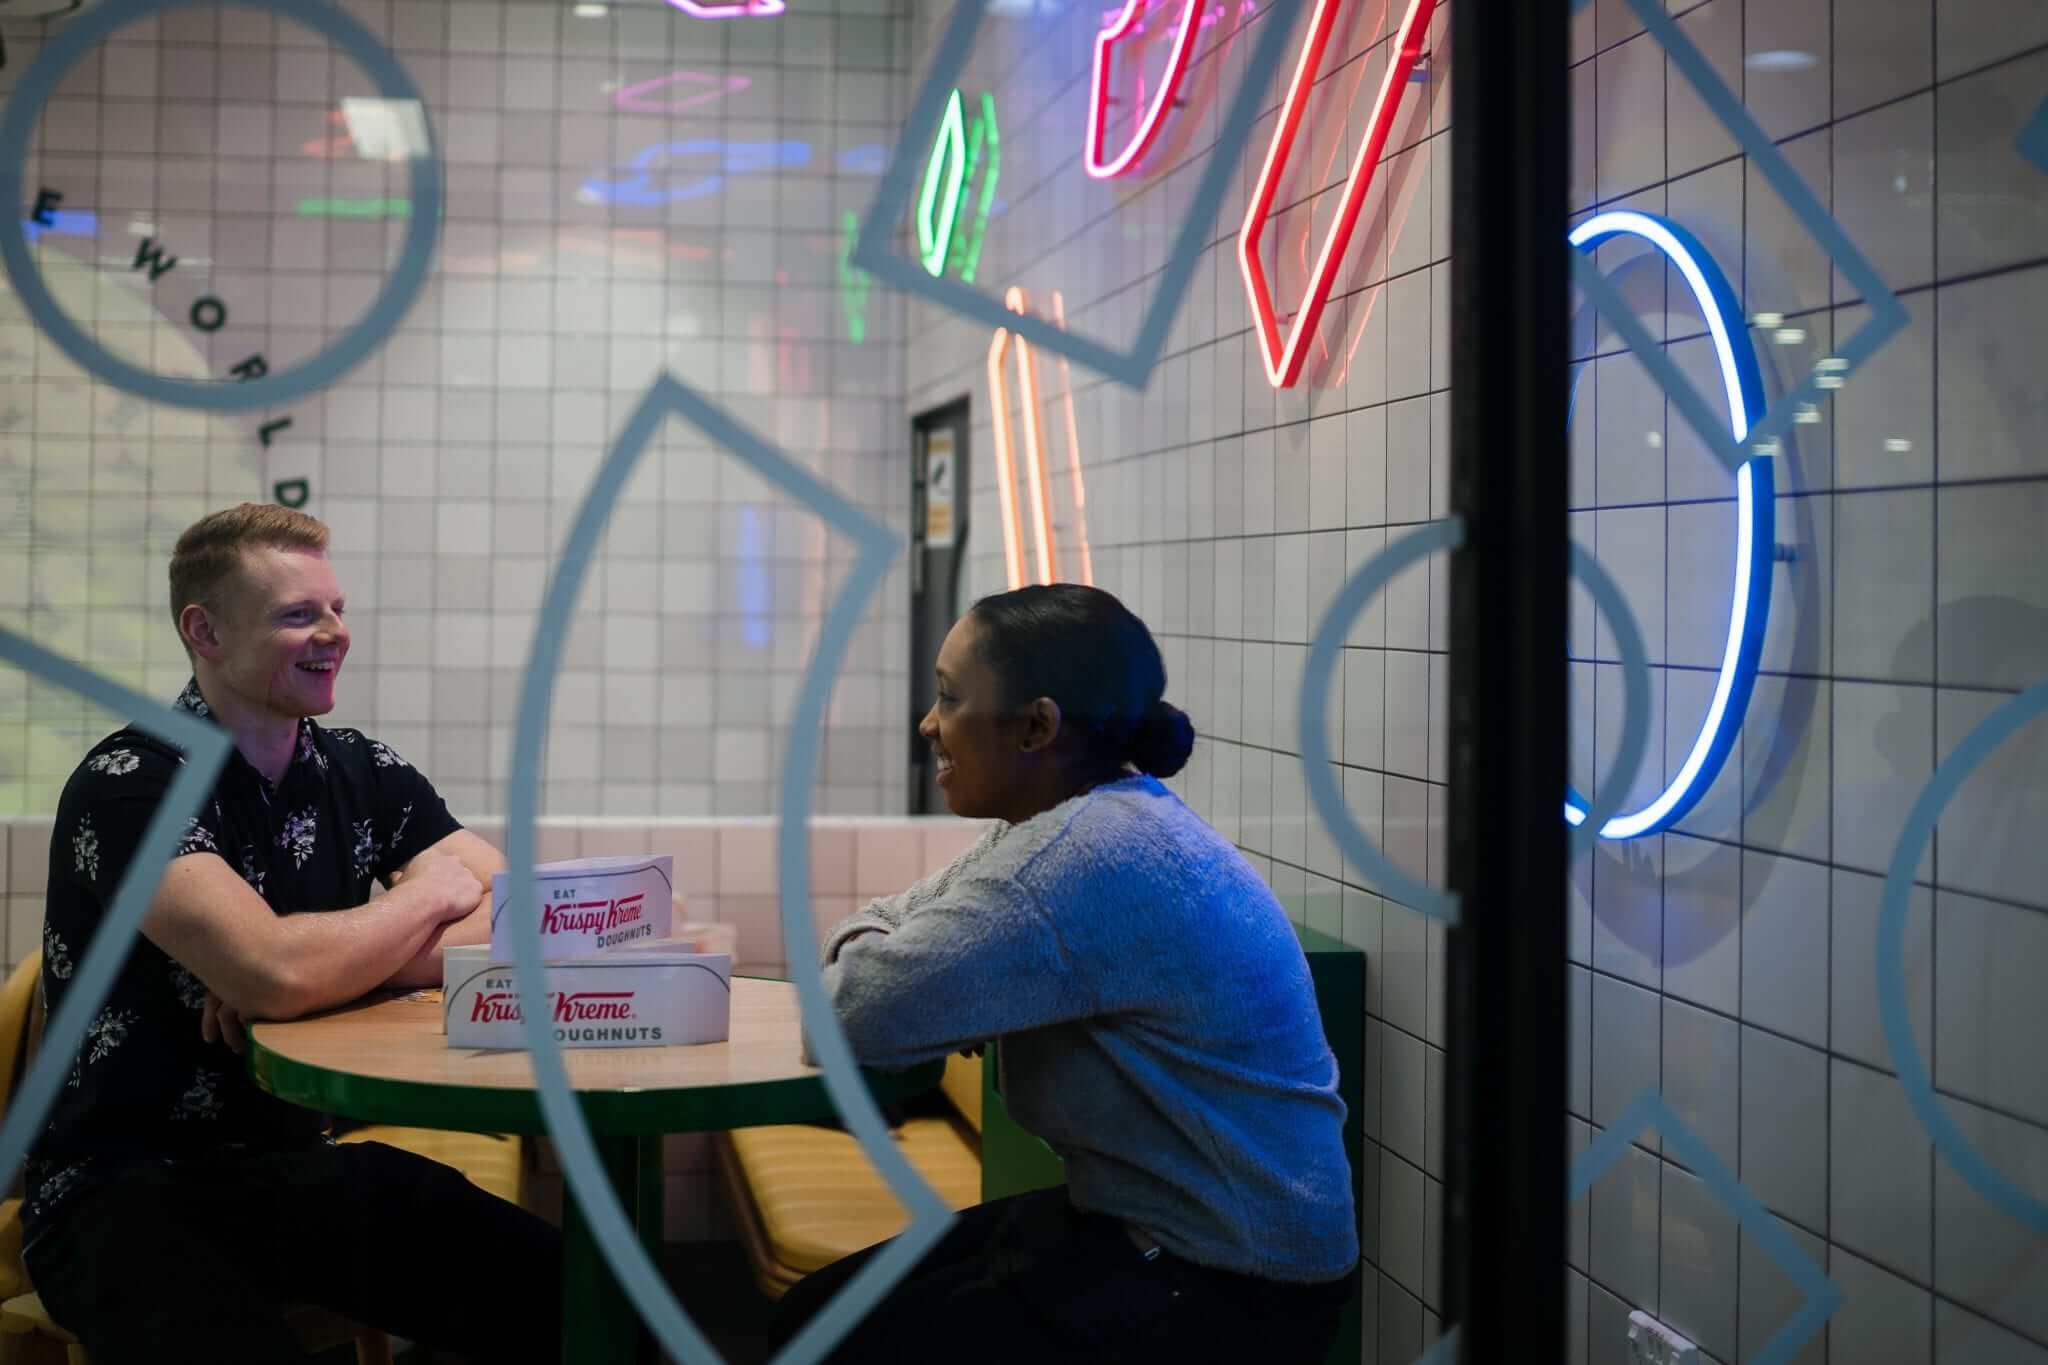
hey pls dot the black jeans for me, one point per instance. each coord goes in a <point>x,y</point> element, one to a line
<point>1032,1280</point>
<point>199,1260</point>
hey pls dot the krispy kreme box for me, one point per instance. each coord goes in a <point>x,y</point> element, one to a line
<point>588,905</point>
<point>646,995</point>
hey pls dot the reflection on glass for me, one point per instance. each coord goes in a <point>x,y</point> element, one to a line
<point>853,281</point>
<point>675,172</point>
<point>707,86</point>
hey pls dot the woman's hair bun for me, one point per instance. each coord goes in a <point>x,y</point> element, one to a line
<point>1163,740</point>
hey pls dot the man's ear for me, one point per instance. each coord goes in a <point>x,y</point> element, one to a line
<point>1041,725</point>
<point>196,627</point>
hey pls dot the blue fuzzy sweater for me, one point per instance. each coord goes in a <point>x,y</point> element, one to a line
<point>1159,1028</point>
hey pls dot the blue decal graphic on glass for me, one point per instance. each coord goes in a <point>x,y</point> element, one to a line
<point>67,49</point>
<point>756,585</point>
<point>1819,1296</point>
<point>1955,1148</point>
<point>1131,367</point>
<point>587,1183</point>
<point>64,223</point>
<point>205,747</point>
<point>2033,139</point>
<point>1755,522</point>
<point>1367,861</point>
<point>676,172</point>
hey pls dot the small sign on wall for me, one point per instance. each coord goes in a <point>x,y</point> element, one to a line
<point>941,476</point>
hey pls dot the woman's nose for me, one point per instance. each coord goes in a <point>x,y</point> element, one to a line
<point>929,726</point>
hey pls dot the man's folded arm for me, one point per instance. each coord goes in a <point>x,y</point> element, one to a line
<point>475,853</point>
<point>270,966</point>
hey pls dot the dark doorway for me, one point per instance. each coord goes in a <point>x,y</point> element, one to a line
<point>938,552</point>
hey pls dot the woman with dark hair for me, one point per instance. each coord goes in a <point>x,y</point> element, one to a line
<point>1158,1024</point>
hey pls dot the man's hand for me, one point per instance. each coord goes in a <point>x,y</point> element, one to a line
<point>449,888</point>
<point>220,1022</point>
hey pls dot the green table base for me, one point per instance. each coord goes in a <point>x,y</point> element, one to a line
<point>598,1321</point>
<point>599,1324</point>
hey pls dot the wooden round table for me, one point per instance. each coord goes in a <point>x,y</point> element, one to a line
<point>387,1061</point>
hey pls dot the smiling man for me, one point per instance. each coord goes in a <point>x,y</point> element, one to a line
<point>172,1206</point>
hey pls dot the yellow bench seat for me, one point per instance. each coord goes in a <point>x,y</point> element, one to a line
<point>805,1196</point>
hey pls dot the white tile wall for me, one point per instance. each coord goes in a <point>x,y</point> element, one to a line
<point>1727,963</point>
<point>725,868</point>
<point>1730,964</point>
<point>450,464</point>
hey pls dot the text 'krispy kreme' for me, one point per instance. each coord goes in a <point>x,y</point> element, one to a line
<point>579,1007</point>
<point>494,1007</point>
<point>584,1006</point>
<point>587,905</point>
<point>593,917</point>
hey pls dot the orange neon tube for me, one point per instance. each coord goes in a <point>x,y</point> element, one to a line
<point>1006,466</point>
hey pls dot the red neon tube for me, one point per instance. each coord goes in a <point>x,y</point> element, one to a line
<point>1284,359</point>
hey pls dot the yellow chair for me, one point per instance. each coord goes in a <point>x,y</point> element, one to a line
<point>805,1195</point>
<point>27,1331</point>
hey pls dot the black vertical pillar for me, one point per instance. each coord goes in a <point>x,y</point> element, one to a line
<point>1504,1210</point>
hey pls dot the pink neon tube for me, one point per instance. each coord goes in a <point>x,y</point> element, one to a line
<point>746,9</point>
<point>1098,90</point>
<point>633,97</point>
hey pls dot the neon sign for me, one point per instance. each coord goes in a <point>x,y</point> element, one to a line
<point>650,184</point>
<point>745,9</point>
<point>1097,164</point>
<point>982,139</point>
<point>633,98</point>
<point>1283,360</point>
<point>853,281</point>
<point>948,176</point>
<point>937,212</point>
<point>333,145</point>
<point>355,208</point>
<point>1755,531</point>
<point>1006,464</point>
<point>867,159</point>
<point>1044,540</point>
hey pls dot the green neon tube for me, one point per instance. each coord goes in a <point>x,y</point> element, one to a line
<point>948,164</point>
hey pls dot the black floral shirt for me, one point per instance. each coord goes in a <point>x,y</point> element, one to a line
<point>345,815</point>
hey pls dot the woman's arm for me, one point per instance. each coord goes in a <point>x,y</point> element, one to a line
<point>980,960</point>
<point>880,916</point>
<point>886,914</point>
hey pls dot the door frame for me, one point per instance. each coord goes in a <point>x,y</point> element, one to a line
<point>957,414</point>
